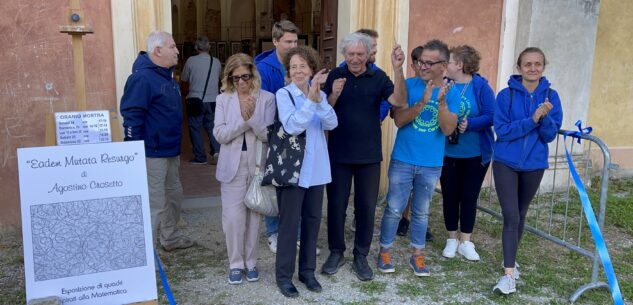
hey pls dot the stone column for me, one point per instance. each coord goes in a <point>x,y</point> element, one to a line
<point>390,19</point>
<point>132,21</point>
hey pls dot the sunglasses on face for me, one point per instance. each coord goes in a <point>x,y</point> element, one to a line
<point>244,77</point>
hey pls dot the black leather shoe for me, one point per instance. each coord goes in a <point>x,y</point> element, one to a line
<point>288,290</point>
<point>429,236</point>
<point>362,269</point>
<point>403,227</point>
<point>311,283</point>
<point>333,263</point>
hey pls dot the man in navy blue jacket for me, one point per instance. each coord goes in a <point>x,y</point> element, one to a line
<point>152,112</point>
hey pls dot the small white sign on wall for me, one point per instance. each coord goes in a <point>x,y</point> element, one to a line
<point>86,223</point>
<point>85,127</point>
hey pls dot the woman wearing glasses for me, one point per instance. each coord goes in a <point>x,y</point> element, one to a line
<point>242,114</point>
<point>468,150</point>
<point>528,115</point>
<point>303,107</point>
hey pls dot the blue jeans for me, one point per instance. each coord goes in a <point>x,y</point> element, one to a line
<point>206,120</point>
<point>403,178</point>
<point>272,225</point>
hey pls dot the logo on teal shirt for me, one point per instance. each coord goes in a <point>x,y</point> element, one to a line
<point>426,121</point>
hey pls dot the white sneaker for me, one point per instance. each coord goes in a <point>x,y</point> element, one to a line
<point>272,243</point>
<point>450,248</point>
<point>515,271</point>
<point>467,249</point>
<point>505,285</point>
<point>318,251</point>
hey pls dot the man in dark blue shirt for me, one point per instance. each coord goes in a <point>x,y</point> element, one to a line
<point>355,149</point>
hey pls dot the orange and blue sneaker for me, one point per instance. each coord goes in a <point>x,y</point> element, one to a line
<point>384,262</point>
<point>419,267</point>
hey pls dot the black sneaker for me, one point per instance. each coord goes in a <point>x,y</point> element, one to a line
<point>362,269</point>
<point>403,227</point>
<point>429,236</point>
<point>194,161</point>
<point>333,263</point>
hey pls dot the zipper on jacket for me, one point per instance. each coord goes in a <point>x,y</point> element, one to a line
<point>526,136</point>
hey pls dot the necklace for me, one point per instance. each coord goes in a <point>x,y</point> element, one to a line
<point>465,88</point>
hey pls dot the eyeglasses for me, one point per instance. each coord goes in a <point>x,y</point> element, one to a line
<point>244,77</point>
<point>427,64</point>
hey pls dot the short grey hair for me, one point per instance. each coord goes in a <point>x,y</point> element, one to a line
<point>202,44</point>
<point>356,38</point>
<point>156,39</point>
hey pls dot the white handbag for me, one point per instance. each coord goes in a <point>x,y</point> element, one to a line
<point>261,199</point>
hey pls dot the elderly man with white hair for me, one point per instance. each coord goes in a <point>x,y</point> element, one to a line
<point>355,149</point>
<point>152,112</point>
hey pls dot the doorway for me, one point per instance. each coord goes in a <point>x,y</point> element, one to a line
<point>234,26</point>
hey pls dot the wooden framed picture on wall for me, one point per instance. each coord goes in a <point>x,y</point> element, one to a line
<point>236,47</point>
<point>222,51</point>
<point>213,49</point>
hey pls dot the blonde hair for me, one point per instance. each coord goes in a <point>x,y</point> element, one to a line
<point>234,62</point>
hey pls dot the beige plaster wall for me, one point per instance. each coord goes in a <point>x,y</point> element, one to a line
<point>611,102</point>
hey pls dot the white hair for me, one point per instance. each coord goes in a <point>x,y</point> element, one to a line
<point>156,39</point>
<point>356,38</point>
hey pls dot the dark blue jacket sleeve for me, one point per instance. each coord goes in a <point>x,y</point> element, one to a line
<point>486,113</point>
<point>134,105</point>
<point>505,128</point>
<point>551,123</point>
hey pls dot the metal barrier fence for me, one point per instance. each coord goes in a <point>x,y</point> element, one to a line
<point>556,213</point>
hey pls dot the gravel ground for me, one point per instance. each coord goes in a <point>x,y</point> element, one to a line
<point>199,275</point>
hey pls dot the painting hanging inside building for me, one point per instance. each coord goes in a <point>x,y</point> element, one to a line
<point>213,49</point>
<point>222,51</point>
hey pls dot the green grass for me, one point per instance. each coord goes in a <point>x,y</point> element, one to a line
<point>371,288</point>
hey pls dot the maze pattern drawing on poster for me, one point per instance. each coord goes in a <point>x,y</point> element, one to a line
<point>87,236</point>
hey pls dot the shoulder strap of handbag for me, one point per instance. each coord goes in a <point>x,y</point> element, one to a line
<point>291,98</point>
<point>293,103</point>
<point>206,83</point>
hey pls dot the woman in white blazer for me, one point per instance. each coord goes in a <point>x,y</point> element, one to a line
<point>242,114</point>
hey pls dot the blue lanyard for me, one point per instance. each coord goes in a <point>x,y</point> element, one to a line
<point>601,247</point>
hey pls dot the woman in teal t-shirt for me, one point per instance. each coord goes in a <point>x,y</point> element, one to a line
<point>468,150</point>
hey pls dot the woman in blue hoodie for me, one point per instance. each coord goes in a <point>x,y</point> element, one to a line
<point>468,150</point>
<point>527,117</point>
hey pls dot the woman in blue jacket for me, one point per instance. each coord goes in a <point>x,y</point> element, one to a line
<point>468,150</point>
<point>527,117</point>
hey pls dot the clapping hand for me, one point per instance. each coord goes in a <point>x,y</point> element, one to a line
<point>314,93</point>
<point>542,110</point>
<point>247,107</point>
<point>441,96</point>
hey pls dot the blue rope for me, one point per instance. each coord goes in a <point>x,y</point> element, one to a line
<point>163,279</point>
<point>601,247</point>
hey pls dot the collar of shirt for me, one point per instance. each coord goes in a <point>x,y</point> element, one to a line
<point>368,72</point>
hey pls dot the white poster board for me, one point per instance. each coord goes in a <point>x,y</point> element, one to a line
<point>85,127</point>
<point>86,223</point>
